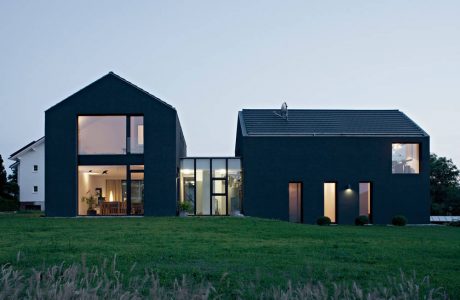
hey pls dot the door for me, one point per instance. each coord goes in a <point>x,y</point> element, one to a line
<point>295,202</point>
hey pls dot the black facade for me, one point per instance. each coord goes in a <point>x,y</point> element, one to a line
<point>164,144</point>
<point>278,151</point>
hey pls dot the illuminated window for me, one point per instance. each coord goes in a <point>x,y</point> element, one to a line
<point>365,199</point>
<point>137,135</point>
<point>102,135</point>
<point>405,158</point>
<point>330,200</point>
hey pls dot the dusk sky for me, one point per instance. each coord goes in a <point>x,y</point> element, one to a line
<point>210,59</point>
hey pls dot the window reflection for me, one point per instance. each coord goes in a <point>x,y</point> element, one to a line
<point>405,158</point>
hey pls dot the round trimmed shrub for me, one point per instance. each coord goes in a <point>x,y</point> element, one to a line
<point>399,220</point>
<point>362,220</point>
<point>323,221</point>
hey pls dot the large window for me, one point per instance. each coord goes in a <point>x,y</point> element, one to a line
<point>330,200</point>
<point>405,158</point>
<point>108,135</point>
<point>101,134</point>
<point>103,190</point>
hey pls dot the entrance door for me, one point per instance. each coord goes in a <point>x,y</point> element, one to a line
<point>295,202</point>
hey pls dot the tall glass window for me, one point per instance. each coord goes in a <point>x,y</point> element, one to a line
<point>101,134</point>
<point>365,199</point>
<point>203,187</point>
<point>187,182</point>
<point>137,134</point>
<point>295,202</point>
<point>330,200</point>
<point>137,189</point>
<point>235,187</point>
<point>405,158</point>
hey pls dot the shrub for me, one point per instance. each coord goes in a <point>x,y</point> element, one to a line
<point>321,221</point>
<point>399,220</point>
<point>362,220</point>
<point>455,223</point>
<point>185,206</point>
<point>9,204</point>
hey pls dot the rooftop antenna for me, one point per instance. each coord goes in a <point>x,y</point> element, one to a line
<point>283,112</point>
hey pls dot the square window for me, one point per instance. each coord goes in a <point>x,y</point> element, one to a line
<point>405,158</point>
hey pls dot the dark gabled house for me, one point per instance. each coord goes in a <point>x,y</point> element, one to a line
<point>302,164</point>
<point>110,146</point>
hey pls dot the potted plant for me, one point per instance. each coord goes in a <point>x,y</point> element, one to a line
<point>184,208</point>
<point>91,202</point>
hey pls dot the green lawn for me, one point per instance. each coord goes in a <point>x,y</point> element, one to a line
<point>247,249</point>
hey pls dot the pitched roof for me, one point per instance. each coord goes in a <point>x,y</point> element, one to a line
<point>26,147</point>
<point>121,79</point>
<point>313,122</point>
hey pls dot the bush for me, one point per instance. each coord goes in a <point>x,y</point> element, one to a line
<point>9,204</point>
<point>399,220</point>
<point>321,221</point>
<point>185,206</point>
<point>455,223</point>
<point>362,220</point>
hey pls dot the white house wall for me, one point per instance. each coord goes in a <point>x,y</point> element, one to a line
<point>28,178</point>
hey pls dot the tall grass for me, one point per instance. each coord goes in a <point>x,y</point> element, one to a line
<point>79,281</point>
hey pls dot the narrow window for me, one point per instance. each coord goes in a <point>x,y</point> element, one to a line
<point>330,200</point>
<point>35,189</point>
<point>365,199</point>
<point>137,135</point>
<point>405,158</point>
<point>295,202</point>
<point>35,168</point>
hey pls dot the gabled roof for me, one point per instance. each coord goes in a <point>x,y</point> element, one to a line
<point>314,122</point>
<point>27,147</point>
<point>121,79</point>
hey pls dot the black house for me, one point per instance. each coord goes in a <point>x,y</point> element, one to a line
<point>302,164</point>
<point>99,160</point>
<point>112,149</point>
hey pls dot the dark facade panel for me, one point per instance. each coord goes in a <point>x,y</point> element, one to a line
<point>112,95</point>
<point>270,163</point>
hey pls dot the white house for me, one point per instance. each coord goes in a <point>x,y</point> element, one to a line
<point>30,166</point>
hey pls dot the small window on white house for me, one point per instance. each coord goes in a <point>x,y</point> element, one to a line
<point>35,188</point>
<point>35,168</point>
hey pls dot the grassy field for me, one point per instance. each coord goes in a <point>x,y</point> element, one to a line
<point>244,249</point>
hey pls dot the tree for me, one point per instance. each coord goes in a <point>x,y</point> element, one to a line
<point>444,186</point>
<point>3,180</point>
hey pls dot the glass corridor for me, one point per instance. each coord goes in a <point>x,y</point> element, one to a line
<point>213,186</point>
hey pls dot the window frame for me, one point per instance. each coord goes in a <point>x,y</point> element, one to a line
<point>127,138</point>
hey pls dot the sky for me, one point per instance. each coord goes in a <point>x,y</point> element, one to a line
<point>210,59</point>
